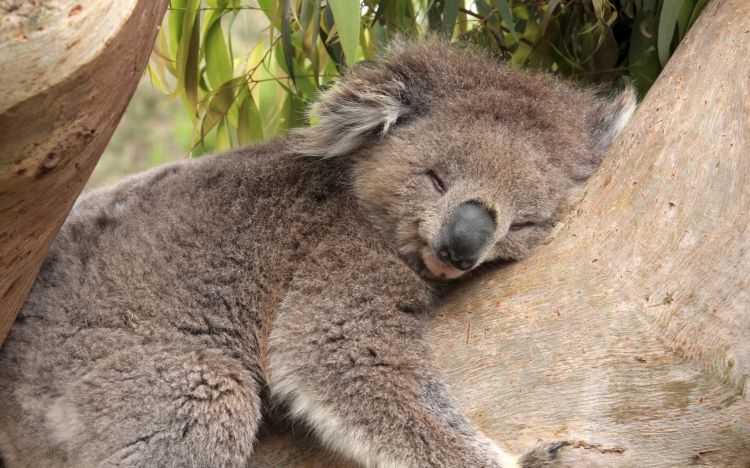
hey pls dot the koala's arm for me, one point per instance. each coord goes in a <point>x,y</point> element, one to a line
<point>347,356</point>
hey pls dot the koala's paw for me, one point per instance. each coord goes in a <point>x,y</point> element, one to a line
<point>542,455</point>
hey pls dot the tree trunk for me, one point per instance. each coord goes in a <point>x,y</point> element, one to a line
<point>68,69</point>
<point>629,333</point>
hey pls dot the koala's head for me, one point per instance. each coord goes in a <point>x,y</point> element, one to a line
<point>458,159</point>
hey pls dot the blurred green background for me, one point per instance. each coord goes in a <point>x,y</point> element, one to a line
<point>224,73</point>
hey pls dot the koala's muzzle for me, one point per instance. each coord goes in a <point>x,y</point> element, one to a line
<point>469,229</point>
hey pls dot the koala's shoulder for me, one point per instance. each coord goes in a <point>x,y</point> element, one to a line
<point>263,170</point>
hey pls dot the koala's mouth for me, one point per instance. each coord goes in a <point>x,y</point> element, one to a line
<point>436,267</point>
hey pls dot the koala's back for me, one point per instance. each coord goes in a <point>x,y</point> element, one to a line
<point>189,256</point>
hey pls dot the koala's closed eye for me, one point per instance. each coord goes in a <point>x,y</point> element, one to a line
<point>437,182</point>
<point>521,225</point>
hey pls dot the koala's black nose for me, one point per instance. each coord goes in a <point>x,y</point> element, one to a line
<point>468,230</point>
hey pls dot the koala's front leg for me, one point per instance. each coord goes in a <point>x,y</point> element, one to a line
<point>347,356</point>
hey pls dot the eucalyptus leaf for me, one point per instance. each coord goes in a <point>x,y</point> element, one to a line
<point>286,37</point>
<point>188,53</point>
<point>683,17</point>
<point>219,104</point>
<point>346,15</point>
<point>223,137</point>
<point>670,11</point>
<point>506,15</point>
<point>315,59</point>
<point>643,61</point>
<point>174,22</point>
<point>218,62</point>
<point>450,14</point>
<point>306,44</point>
<point>249,127</point>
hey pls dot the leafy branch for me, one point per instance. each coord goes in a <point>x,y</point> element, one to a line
<point>246,72</point>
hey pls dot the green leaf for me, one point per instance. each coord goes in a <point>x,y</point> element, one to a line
<point>406,18</point>
<point>575,66</point>
<point>346,15</point>
<point>548,15</point>
<point>268,93</point>
<point>176,14</point>
<point>188,53</point>
<point>286,38</point>
<point>161,57</point>
<point>433,15</point>
<point>219,5</point>
<point>483,8</point>
<point>220,103</point>
<point>683,17</point>
<point>507,16</point>
<point>380,12</point>
<point>284,113</point>
<point>305,16</point>
<point>313,31</point>
<point>157,78</point>
<point>219,68</point>
<point>450,14</point>
<point>648,6</point>
<point>268,8</point>
<point>379,36</point>
<point>296,111</point>
<point>667,23</point>
<point>223,137</point>
<point>643,62</point>
<point>314,42</point>
<point>333,48</point>
<point>282,73</point>
<point>249,127</point>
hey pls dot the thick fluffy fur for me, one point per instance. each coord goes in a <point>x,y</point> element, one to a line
<point>172,303</point>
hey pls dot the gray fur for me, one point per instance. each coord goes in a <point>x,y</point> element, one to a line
<point>171,305</point>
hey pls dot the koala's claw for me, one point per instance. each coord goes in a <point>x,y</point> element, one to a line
<point>542,455</point>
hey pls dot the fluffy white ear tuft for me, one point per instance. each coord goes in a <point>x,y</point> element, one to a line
<point>615,114</point>
<point>350,114</point>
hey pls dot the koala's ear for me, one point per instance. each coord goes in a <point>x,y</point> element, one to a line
<point>611,118</point>
<point>362,106</point>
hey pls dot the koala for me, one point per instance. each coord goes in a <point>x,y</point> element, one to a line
<point>176,307</point>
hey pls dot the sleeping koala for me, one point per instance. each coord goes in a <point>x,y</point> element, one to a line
<point>174,306</point>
